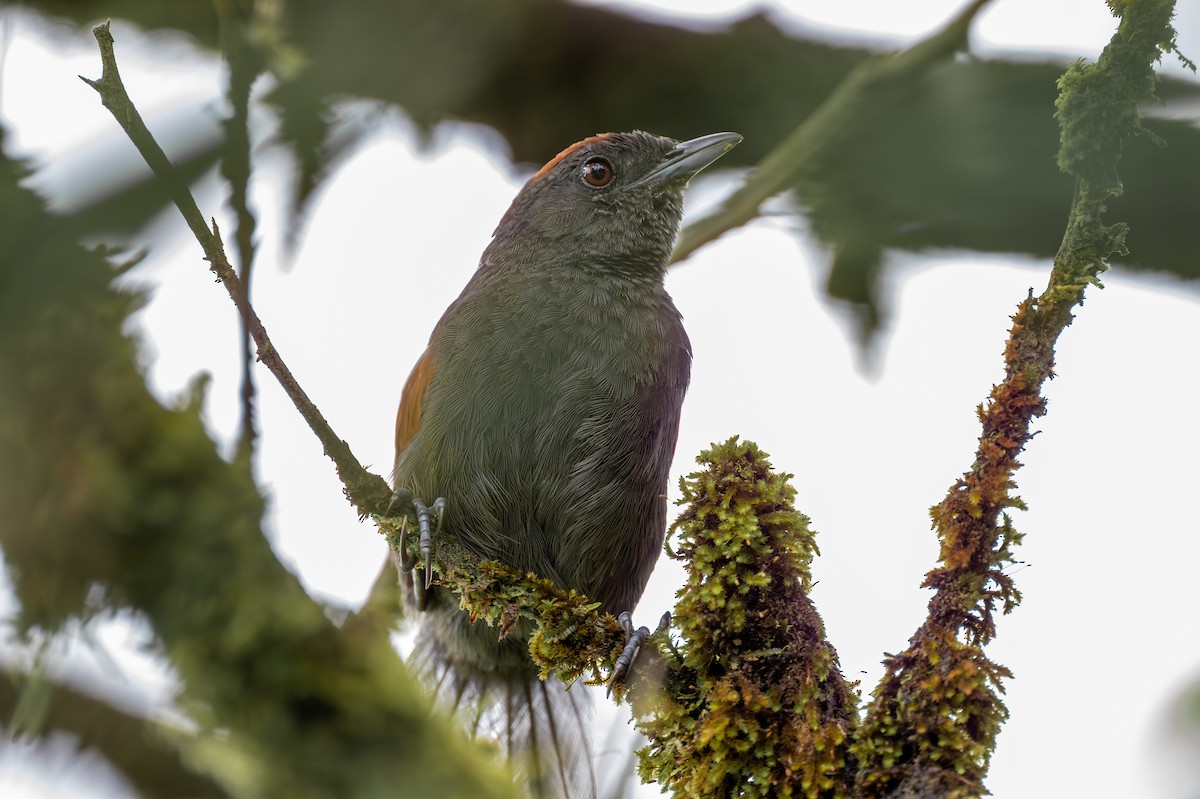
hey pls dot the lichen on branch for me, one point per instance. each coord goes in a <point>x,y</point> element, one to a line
<point>757,705</point>
<point>932,725</point>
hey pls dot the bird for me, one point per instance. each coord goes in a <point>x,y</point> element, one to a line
<point>540,425</point>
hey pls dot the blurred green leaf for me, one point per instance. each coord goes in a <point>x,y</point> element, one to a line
<point>109,500</point>
<point>964,159</point>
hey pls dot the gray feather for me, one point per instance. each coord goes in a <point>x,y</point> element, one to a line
<point>543,729</point>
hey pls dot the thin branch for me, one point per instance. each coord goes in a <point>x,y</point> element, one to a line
<point>244,68</point>
<point>863,94</point>
<point>368,492</point>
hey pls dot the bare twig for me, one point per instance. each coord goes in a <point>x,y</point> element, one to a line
<point>368,492</point>
<point>862,94</point>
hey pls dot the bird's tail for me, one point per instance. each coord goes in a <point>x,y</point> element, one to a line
<point>543,729</point>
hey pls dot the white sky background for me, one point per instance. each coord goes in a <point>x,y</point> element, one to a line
<point>1106,636</point>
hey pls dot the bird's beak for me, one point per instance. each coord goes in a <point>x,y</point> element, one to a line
<point>689,157</point>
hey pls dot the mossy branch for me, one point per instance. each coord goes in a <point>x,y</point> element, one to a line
<point>755,704</point>
<point>932,725</point>
<point>572,638</point>
<point>863,94</point>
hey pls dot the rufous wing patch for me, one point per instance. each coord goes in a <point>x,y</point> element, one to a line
<point>408,417</point>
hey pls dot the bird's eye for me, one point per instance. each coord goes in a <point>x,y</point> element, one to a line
<point>597,172</point>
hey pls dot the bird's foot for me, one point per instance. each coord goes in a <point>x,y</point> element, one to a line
<point>429,521</point>
<point>633,644</point>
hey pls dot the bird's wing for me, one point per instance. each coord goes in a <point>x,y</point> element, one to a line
<point>408,417</point>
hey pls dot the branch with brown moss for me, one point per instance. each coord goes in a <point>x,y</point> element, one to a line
<point>572,638</point>
<point>932,725</point>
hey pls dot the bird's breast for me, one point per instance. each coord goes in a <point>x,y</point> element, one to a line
<point>541,394</point>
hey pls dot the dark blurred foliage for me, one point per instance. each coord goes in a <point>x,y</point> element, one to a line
<point>112,502</point>
<point>967,161</point>
<point>964,160</point>
<point>151,766</point>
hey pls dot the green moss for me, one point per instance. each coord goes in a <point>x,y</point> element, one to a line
<point>933,721</point>
<point>757,706</point>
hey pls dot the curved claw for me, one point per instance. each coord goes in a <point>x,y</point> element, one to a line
<point>403,503</point>
<point>626,622</point>
<point>407,561</point>
<point>633,645</point>
<point>402,499</point>
<point>420,593</point>
<point>425,542</point>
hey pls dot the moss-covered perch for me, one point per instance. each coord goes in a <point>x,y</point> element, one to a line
<point>757,706</point>
<point>932,725</point>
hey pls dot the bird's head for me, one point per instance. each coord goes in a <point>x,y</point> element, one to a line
<point>610,202</point>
